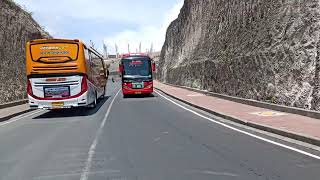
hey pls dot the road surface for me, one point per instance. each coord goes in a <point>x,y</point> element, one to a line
<point>141,139</point>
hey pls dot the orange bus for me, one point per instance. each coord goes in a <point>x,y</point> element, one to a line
<point>64,74</point>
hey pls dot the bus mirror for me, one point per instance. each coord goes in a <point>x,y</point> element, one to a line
<point>103,75</point>
<point>102,72</point>
<point>153,67</point>
<point>121,68</point>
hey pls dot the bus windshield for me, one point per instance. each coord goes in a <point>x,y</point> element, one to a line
<point>137,67</point>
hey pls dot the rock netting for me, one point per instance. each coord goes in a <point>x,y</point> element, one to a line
<point>263,50</point>
<point>16,28</point>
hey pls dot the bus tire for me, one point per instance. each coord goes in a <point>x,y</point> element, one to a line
<point>94,103</point>
<point>104,93</point>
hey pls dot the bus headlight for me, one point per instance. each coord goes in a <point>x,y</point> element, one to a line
<point>127,86</point>
<point>148,85</point>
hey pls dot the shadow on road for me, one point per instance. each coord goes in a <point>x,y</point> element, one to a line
<point>81,111</point>
<point>139,96</point>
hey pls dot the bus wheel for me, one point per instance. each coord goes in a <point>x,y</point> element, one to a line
<point>104,93</point>
<point>94,104</point>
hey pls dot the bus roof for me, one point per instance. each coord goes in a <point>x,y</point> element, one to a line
<point>39,41</point>
<point>135,55</point>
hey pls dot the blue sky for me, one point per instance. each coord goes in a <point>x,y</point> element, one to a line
<point>108,21</point>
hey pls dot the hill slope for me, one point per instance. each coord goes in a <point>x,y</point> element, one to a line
<point>263,50</point>
<point>16,28</point>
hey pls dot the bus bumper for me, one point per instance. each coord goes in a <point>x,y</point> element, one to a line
<point>58,104</point>
<point>137,91</point>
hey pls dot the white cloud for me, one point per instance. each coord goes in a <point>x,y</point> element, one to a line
<point>125,21</point>
<point>147,35</point>
<point>138,11</point>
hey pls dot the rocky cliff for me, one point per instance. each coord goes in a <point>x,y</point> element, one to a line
<point>16,28</point>
<point>263,50</point>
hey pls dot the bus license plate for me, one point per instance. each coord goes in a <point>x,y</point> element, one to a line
<point>57,104</point>
<point>137,93</point>
<point>137,85</point>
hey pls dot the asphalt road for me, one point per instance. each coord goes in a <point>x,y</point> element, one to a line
<point>140,139</point>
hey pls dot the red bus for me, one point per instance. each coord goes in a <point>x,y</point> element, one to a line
<point>136,74</point>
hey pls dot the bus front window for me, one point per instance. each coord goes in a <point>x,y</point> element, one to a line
<point>137,67</point>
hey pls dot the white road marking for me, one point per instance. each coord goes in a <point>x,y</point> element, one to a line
<point>213,173</point>
<point>268,114</point>
<point>64,176</point>
<point>86,171</point>
<point>195,95</point>
<point>243,132</point>
<point>21,117</point>
<point>156,139</point>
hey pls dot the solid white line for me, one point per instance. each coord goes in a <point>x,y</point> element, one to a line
<point>243,132</point>
<point>86,171</point>
<point>19,118</point>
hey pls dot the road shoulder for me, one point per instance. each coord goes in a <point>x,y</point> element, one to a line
<point>293,126</point>
<point>10,112</point>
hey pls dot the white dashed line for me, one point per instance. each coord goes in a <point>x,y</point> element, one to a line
<point>86,171</point>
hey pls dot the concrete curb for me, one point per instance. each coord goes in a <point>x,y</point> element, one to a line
<point>275,107</point>
<point>292,135</point>
<point>14,115</point>
<point>14,103</point>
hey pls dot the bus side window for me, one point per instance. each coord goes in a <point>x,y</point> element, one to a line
<point>95,63</point>
<point>102,65</point>
<point>88,62</point>
<point>86,54</point>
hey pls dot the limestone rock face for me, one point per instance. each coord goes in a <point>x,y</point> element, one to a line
<point>16,28</point>
<point>263,50</point>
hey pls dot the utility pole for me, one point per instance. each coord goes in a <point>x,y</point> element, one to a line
<point>128,48</point>
<point>151,48</point>
<point>91,44</point>
<point>140,47</point>
<point>105,48</point>
<point>116,47</point>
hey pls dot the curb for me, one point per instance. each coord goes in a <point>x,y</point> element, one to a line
<point>275,107</point>
<point>292,135</point>
<point>14,103</point>
<point>14,115</point>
